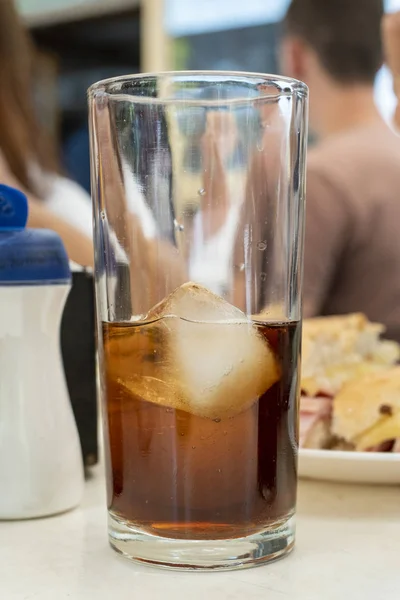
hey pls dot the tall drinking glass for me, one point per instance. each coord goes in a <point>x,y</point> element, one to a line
<point>198,185</point>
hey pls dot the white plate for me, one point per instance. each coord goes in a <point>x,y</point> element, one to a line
<point>350,467</point>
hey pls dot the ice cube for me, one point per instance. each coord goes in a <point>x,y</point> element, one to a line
<point>212,362</point>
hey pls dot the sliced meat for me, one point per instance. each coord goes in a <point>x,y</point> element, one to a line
<point>321,406</point>
<point>315,414</point>
<point>307,422</point>
<point>387,446</point>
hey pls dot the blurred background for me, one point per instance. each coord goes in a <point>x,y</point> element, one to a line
<point>82,41</point>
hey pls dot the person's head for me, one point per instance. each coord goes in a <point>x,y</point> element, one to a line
<point>335,42</point>
<point>22,140</point>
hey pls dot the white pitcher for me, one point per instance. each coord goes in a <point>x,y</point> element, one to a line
<point>41,469</point>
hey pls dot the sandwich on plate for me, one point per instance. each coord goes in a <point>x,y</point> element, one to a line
<point>350,384</point>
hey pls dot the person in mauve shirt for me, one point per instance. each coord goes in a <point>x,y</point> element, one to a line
<point>27,156</point>
<point>28,162</point>
<point>352,251</point>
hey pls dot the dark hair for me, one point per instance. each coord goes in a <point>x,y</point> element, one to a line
<point>345,34</point>
<point>22,139</point>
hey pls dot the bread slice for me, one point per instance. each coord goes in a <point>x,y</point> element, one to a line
<point>366,412</point>
<point>338,349</point>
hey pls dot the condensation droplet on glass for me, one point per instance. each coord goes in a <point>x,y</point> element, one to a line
<point>103,215</point>
<point>201,192</point>
<point>262,246</point>
<point>260,146</point>
<point>217,420</point>
<point>219,470</point>
<point>182,434</point>
<point>263,277</point>
<point>242,267</point>
<point>193,447</point>
<point>178,225</point>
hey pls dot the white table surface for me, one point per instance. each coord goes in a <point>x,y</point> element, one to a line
<point>348,548</point>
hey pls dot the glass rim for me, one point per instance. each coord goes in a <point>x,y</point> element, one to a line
<point>289,87</point>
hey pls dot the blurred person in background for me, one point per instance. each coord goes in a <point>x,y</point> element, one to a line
<point>27,157</point>
<point>352,254</point>
<point>28,161</point>
<point>391,34</point>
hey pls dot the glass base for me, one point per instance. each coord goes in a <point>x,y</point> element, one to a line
<point>204,555</point>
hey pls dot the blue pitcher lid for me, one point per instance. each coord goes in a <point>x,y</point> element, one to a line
<point>28,256</point>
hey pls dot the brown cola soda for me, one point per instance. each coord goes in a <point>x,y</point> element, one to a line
<point>184,476</point>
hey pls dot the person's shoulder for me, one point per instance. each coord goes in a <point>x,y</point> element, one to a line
<point>325,179</point>
<point>69,201</point>
<point>355,148</point>
<point>354,164</point>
